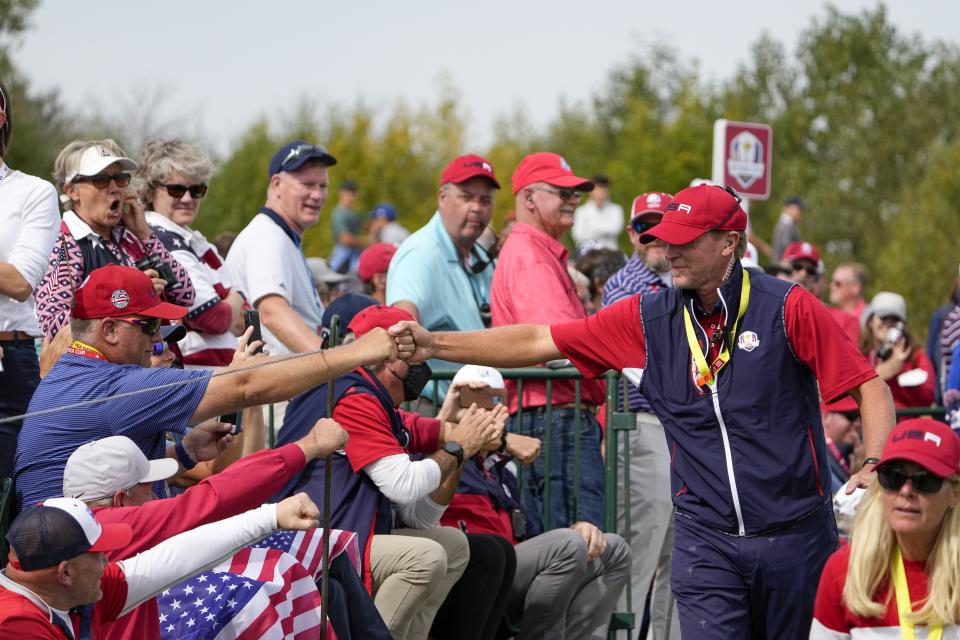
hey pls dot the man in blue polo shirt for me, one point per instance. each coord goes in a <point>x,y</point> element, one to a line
<point>440,274</point>
<point>115,320</point>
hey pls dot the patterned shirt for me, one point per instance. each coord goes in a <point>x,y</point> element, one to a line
<point>66,270</point>
<point>635,277</point>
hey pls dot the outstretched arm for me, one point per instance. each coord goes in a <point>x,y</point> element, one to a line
<point>513,346</point>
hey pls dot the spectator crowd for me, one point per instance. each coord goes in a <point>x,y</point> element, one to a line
<point>760,402</point>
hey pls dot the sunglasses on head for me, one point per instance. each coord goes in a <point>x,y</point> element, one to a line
<point>302,149</point>
<point>641,226</point>
<point>893,477</point>
<point>176,191</point>
<point>102,180</point>
<point>148,326</point>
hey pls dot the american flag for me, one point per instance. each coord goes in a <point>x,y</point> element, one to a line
<point>267,591</point>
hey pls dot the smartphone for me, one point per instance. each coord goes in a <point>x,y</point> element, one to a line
<point>251,318</point>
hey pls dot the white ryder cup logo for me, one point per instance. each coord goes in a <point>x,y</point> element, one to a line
<point>748,341</point>
<point>120,299</point>
<point>745,162</point>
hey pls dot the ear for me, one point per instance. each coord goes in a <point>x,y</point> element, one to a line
<point>108,330</point>
<point>730,242</point>
<point>70,190</point>
<point>65,573</point>
<point>120,498</point>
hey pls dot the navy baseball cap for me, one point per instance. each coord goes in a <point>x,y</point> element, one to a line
<point>384,210</point>
<point>346,306</point>
<point>293,155</point>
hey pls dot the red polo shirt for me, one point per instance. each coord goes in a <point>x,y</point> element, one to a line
<point>531,285</point>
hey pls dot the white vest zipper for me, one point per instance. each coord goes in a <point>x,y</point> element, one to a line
<point>741,530</point>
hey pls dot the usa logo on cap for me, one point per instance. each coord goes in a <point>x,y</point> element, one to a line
<point>120,299</point>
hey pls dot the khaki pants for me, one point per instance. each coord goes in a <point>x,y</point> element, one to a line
<point>413,570</point>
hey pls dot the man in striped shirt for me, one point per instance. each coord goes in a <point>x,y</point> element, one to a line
<point>651,509</point>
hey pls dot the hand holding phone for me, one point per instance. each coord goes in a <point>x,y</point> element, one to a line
<point>251,318</point>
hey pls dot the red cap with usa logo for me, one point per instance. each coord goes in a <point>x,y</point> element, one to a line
<point>115,290</point>
<point>695,211</point>
<point>927,442</point>
<point>650,202</point>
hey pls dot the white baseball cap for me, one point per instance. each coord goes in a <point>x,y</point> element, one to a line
<point>95,159</point>
<point>475,373</point>
<point>100,468</point>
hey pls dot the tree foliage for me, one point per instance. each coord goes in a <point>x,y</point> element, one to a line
<point>864,119</point>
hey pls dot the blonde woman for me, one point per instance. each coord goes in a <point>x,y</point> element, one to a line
<point>900,576</point>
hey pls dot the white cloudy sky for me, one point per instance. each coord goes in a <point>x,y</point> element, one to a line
<point>223,64</point>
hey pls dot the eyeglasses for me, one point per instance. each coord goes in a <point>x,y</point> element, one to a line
<point>563,194</point>
<point>837,283</point>
<point>642,227</point>
<point>176,191</point>
<point>892,478</point>
<point>102,180</point>
<point>149,327</point>
<point>301,150</point>
<point>799,266</point>
<point>736,207</point>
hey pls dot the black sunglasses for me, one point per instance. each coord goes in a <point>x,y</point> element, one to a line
<point>102,180</point>
<point>892,478</point>
<point>799,266</point>
<point>149,327</point>
<point>197,191</point>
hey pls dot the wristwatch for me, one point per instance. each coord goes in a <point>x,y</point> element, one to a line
<point>454,449</point>
<point>872,461</point>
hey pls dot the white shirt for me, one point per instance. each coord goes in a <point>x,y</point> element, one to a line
<point>29,220</point>
<point>598,227</point>
<point>265,261</point>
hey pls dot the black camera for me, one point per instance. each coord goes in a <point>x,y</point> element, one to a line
<point>154,262</point>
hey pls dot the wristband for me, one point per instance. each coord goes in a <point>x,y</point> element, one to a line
<point>185,460</point>
<point>872,461</point>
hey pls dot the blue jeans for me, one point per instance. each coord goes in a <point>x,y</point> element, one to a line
<point>565,507</point>
<point>18,381</point>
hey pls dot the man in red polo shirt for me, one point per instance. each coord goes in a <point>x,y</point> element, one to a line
<point>531,285</point>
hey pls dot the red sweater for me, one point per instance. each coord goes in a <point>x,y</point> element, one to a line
<point>832,620</point>
<point>244,485</point>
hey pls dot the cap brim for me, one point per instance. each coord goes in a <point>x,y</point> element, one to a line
<point>325,158</point>
<point>935,467</point>
<point>161,470</point>
<point>672,233</point>
<point>569,182</point>
<point>460,179</point>
<point>126,164</point>
<point>646,212</point>
<point>112,537</point>
<point>164,311</point>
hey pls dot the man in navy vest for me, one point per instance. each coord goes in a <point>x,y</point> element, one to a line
<point>731,362</point>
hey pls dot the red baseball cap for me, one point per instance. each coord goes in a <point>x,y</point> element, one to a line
<point>845,404</point>
<point>375,259</point>
<point>115,290</point>
<point>696,210</point>
<point>649,202</point>
<point>469,166</point>
<point>377,316</point>
<point>931,444</point>
<point>802,251</point>
<point>550,168</point>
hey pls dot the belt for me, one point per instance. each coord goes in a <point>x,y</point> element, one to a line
<point>12,336</point>
<point>583,406</point>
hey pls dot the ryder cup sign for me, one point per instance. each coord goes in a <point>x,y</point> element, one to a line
<point>742,157</point>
